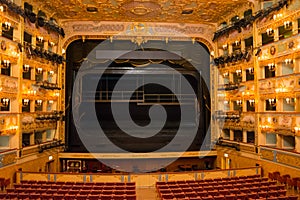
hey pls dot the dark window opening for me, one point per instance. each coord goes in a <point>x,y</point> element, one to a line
<point>248,13</point>
<point>249,43</point>
<point>26,139</point>
<point>238,135</point>
<point>250,137</point>
<point>285,32</point>
<point>5,71</point>
<point>271,105</point>
<point>25,106</point>
<point>27,74</point>
<point>266,39</point>
<point>250,74</point>
<point>7,32</point>
<point>27,38</point>
<point>250,106</point>
<point>269,72</point>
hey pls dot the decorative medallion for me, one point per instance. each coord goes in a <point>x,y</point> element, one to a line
<point>291,44</point>
<point>3,45</point>
<point>272,50</point>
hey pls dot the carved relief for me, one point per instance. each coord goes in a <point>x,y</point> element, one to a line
<point>267,154</point>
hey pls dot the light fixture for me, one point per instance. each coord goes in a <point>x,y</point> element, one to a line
<point>225,74</point>
<point>251,102</point>
<point>225,47</point>
<point>288,61</point>
<point>251,70</point>
<point>279,15</point>
<point>270,32</point>
<point>25,102</point>
<point>288,25</point>
<point>238,72</point>
<point>5,63</point>
<point>6,26</point>
<point>63,51</point>
<point>226,155</point>
<point>26,68</point>
<point>272,102</point>
<point>290,100</point>
<point>1,9</point>
<point>271,66</point>
<point>51,44</point>
<point>39,70</point>
<point>226,102</point>
<point>50,102</point>
<point>4,102</point>
<point>297,129</point>
<point>239,102</point>
<point>40,39</point>
<point>51,73</point>
<point>237,43</point>
<point>39,102</point>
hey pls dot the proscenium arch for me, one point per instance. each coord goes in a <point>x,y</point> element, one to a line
<point>207,43</point>
<point>79,41</point>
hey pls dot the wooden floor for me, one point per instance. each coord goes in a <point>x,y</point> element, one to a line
<point>147,194</point>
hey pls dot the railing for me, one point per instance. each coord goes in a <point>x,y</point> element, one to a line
<point>141,179</point>
<point>284,157</point>
<point>39,148</point>
<point>239,146</point>
<point>8,157</point>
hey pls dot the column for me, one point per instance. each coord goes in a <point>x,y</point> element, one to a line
<point>279,141</point>
<point>231,135</point>
<point>297,143</point>
<point>245,136</point>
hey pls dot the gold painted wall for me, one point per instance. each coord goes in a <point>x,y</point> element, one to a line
<point>33,163</point>
<point>238,160</point>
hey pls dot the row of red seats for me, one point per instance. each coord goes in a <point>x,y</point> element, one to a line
<point>70,190</point>
<point>72,187</point>
<point>215,190</point>
<point>35,182</point>
<point>286,179</point>
<point>213,185</point>
<point>4,183</point>
<point>66,197</point>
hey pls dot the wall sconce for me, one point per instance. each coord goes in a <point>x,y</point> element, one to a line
<point>251,70</point>
<point>288,61</point>
<point>239,102</point>
<point>51,44</point>
<point>26,68</point>
<point>40,39</point>
<point>50,102</point>
<point>51,73</point>
<point>271,66</point>
<point>6,26</point>
<point>39,102</point>
<point>238,72</point>
<point>4,102</point>
<point>297,129</point>
<point>251,102</point>
<point>225,47</point>
<point>5,63</point>
<point>272,102</point>
<point>1,9</point>
<point>290,101</point>
<point>25,102</point>
<point>277,16</point>
<point>39,70</point>
<point>226,75</point>
<point>237,43</point>
<point>270,32</point>
<point>288,25</point>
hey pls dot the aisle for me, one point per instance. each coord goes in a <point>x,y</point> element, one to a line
<point>146,194</point>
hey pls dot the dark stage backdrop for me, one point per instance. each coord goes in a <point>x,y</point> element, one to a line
<point>139,111</point>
